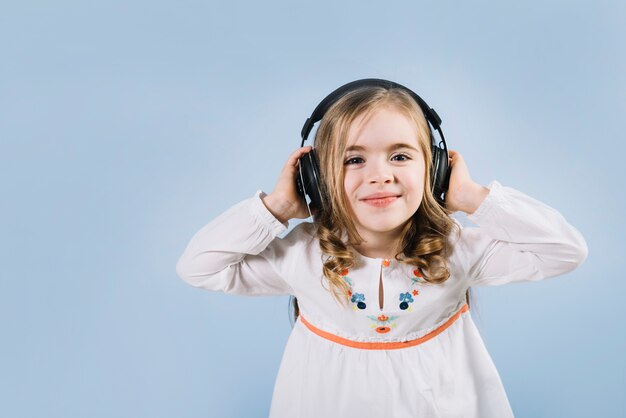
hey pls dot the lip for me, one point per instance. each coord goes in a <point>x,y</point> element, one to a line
<point>380,200</point>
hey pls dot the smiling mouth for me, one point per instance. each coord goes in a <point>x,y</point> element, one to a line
<point>381,201</point>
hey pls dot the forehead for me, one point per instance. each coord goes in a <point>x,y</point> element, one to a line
<point>380,127</point>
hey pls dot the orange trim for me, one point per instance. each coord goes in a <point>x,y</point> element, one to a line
<point>385,345</point>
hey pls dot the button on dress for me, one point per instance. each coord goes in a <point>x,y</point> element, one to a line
<point>416,352</point>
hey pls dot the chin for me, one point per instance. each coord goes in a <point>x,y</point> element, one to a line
<point>385,227</point>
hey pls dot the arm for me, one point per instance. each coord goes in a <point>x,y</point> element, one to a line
<point>238,252</point>
<point>519,238</point>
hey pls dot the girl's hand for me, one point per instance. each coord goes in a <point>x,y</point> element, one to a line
<point>463,193</point>
<point>284,202</point>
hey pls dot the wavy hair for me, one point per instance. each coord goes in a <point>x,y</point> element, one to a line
<point>424,239</point>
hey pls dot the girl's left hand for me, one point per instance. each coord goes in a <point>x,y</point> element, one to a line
<point>463,193</point>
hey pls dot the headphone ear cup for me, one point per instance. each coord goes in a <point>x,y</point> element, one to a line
<point>309,181</point>
<point>440,174</point>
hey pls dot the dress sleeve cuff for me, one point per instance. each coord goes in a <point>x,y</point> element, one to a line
<point>493,200</point>
<point>264,216</point>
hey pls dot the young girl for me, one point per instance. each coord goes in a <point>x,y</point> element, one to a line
<point>382,274</point>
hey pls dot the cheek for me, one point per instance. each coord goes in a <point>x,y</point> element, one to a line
<point>350,183</point>
<point>417,190</point>
<point>416,184</point>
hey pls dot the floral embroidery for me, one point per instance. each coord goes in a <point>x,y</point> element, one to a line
<point>384,323</point>
<point>359,299</point>
<point>344,275</point>
<point>405,299</point>
<point>418,277</point>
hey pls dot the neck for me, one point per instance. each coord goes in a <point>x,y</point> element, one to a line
<point>379,245</point>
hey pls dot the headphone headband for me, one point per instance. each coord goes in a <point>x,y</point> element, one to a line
<point>309,183</point>
<point>321,109</point>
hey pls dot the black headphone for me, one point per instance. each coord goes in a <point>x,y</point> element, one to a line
<point>308,181</point>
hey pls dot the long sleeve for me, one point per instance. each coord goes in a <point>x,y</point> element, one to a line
<point>518,239</point>
<point>238,252</point>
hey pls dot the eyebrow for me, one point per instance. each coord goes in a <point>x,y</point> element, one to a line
<point>392,147</point>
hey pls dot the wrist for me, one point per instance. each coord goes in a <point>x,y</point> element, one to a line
<point>473,197</point>
<point>277,207</point>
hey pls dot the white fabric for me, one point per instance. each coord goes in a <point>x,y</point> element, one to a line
<point>452,375</point>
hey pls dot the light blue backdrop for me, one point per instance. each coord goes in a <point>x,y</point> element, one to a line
<point>126,126</point>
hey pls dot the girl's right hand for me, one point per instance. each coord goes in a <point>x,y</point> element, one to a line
<point>284,202</point>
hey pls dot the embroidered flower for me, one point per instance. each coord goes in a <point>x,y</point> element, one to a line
<point>417,277</point>
<point>405,299</point>
<point>359,299</point>
<point>384,322</point>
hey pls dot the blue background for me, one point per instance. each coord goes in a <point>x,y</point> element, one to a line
<point>126,126</point>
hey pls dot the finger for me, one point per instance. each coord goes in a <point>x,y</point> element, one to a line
<point>295,156</point>
<point>454,156</point>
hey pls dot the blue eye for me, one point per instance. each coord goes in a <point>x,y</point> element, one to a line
<point>354,160</point>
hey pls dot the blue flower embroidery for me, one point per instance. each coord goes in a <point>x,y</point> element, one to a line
<point>359,299</point>
<point>405,299</point>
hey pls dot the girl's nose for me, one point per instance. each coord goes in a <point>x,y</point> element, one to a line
<point>380,173</point>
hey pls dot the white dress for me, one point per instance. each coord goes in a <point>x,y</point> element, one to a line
<point>420,354</point>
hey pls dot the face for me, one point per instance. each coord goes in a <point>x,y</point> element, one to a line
<point>384,173</point>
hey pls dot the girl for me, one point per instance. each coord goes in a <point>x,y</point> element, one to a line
<point>382,274</point>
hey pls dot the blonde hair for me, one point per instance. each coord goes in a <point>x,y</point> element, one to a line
<point>424,240</point>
